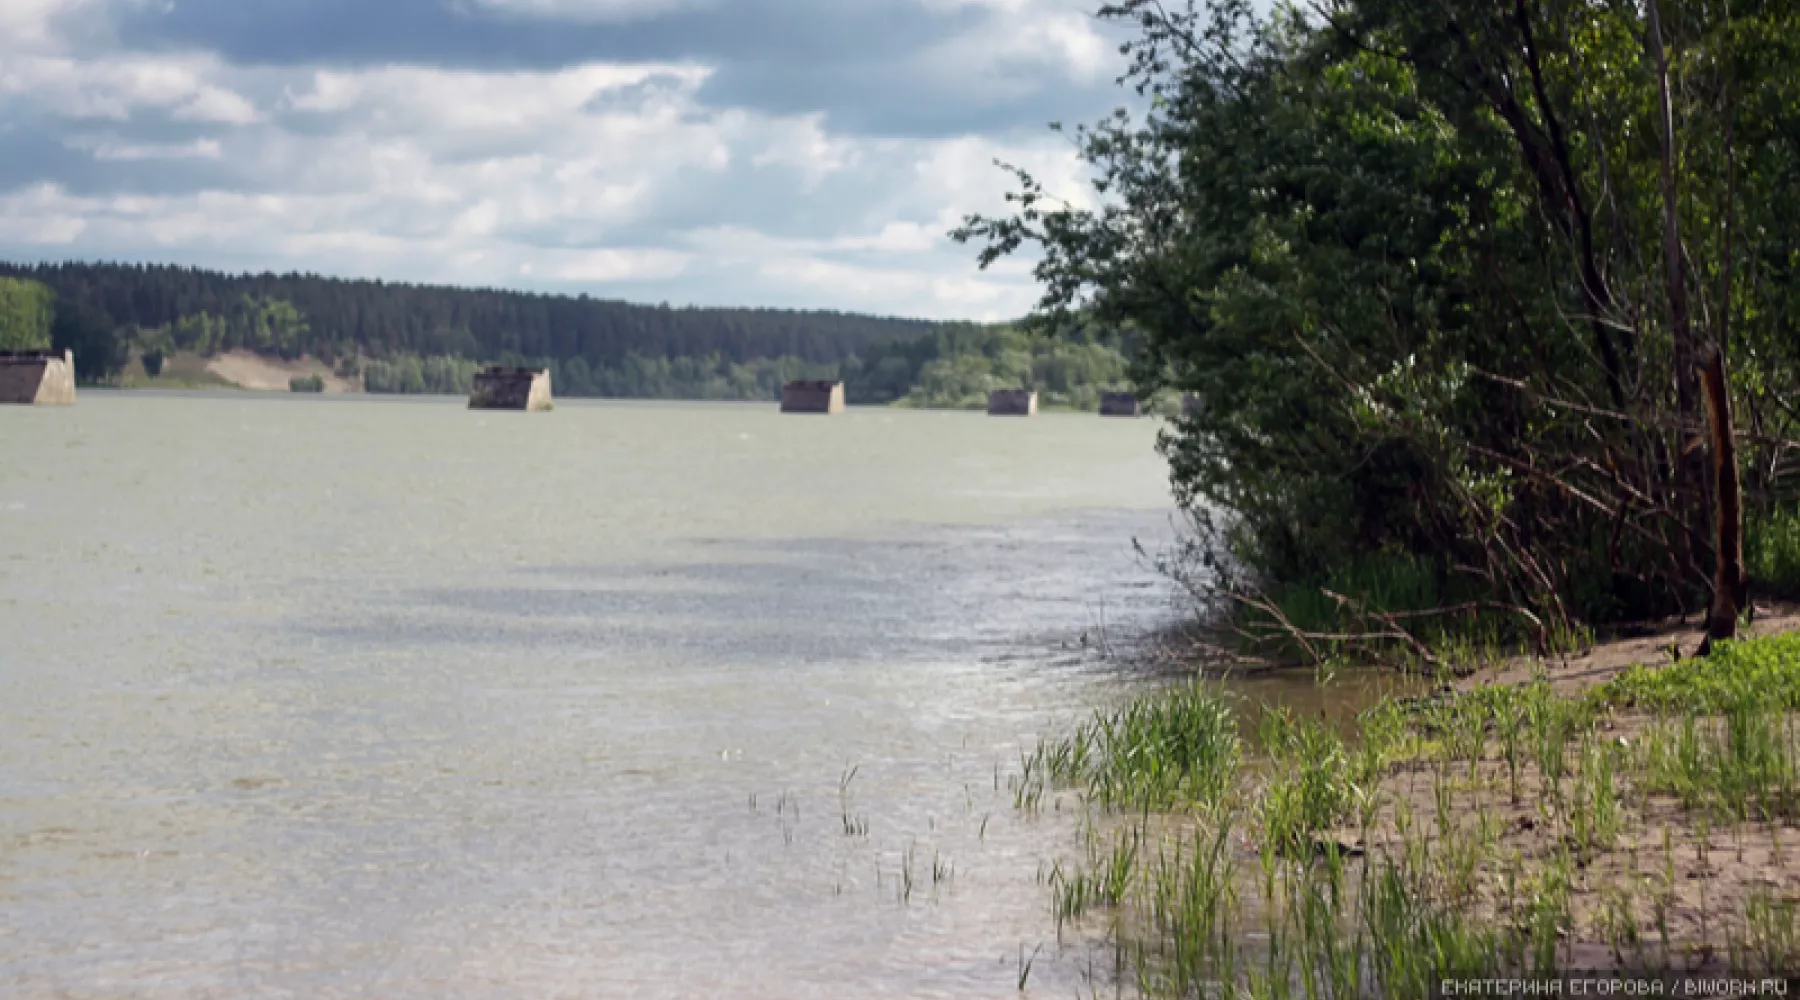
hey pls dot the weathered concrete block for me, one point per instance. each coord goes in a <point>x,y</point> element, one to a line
<point>1120,404</point>
<point>40,378</point>
<point>812,396</point>
<point>1012,403</point>
<point>510,389</point>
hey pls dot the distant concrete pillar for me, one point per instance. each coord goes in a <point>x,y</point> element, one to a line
<point>1012,403</point>
<point>1120,404</point>
<point>812,396</point>
<point>500,388</point>
<point>37,378</point>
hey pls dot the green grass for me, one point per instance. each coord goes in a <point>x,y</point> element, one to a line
<point>1764,673</point>
<point>1309,786</point>
<point>1180,745</point>
<point>1771,936</point>
<point>1740,767</point>
<point>1249,894</point>
<point>168,380</point>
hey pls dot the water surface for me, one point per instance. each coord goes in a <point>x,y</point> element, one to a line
<point>363,697</point>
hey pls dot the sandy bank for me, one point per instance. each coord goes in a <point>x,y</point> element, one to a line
<point>253,371</point>
<point>1649,646</point>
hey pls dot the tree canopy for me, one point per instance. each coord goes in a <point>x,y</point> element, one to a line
<point>93,336</point>
<point>293,314</point>
<point>1447,276</point>
<point>27,310</point>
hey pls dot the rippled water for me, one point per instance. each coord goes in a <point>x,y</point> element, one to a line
<point>328,697</point>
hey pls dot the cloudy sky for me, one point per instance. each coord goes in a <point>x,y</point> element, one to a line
<point>794,153</point>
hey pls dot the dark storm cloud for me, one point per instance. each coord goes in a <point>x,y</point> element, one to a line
<point>473,36</point>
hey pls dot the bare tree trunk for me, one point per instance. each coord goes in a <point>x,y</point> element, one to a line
<point>1729,582</point>
<point>1690,464</point>
<point>1741,595</point>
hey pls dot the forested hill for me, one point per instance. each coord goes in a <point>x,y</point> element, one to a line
<point>337,318</point>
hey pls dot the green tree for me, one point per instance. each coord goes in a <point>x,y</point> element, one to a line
<point>1413,256</point>
<point>100,353</point>
<point>27,311</point>
<point>154,347</point>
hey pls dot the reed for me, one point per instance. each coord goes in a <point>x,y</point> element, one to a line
<point>1264,892</point>
<point>854,824</point>
<point>1155,753</point>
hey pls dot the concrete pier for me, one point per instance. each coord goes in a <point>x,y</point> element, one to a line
<point>812,396</point>
<point>510,389</point>
<point>37,378</point>
<point>1120,404</point>
<point>1012,403</point>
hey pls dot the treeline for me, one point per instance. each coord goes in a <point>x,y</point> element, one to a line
<point>111,312</point>
<point>710,377</point>
<point>1458,281</point>
<point>329,318</point>
<point>957,366</point>
<point>954,368</point>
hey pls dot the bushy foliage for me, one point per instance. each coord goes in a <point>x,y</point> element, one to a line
<point>27,310</point>
<point>958,367</point>
<point>1412,256</point>
<point>412,374</point>
<point>100,353</point>
<point>1772,550</point>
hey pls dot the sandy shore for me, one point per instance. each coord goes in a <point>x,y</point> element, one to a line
<point>254,371</point>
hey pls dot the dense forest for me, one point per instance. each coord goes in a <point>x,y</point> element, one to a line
<point>1495,307</point>
<point>294,314</point>
<point>412,339</point>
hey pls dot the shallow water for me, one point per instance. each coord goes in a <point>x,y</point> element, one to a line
<point>351,697</point>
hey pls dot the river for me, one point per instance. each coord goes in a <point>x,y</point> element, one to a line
<point>316,697</point>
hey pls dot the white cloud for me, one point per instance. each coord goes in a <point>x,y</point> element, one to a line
<point>25,25</point>
<point>604,176</point>
<point>963,171</point>
<point>117,88</point>
<point>948,295</point>
<point>40,216</point>
<point>423,100</point>
<point>1026,33</point>
<point>619,265</point>
<point>111,149</point>
<point>896,237</point>
<point>803,145</point>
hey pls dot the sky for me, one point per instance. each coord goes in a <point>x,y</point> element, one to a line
<point>778,153</point>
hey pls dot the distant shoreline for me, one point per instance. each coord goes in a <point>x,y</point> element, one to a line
<point>241,370</point>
